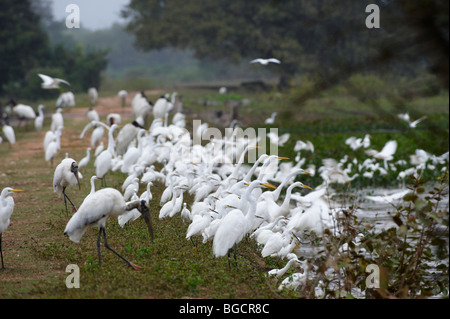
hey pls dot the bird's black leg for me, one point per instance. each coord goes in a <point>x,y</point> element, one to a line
<point>115,252</point>
<point>1,252</point>
<point>65,201</point>
<point>98,247</point>
<point>65,196</point>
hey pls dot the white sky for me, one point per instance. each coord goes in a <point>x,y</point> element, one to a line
<point>94,14</point>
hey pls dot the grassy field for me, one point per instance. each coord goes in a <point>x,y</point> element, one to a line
<point>37,253</point>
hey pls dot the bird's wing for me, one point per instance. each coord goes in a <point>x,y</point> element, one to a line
<point>417,121</point>
<point>389,148</point>
<point>256,61</point>
<point>62,81</point>
<point>46,79</point>
<point>273,60</point>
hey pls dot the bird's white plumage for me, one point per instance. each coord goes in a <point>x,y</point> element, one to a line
<point>265,61</point>
<point>51,83</point>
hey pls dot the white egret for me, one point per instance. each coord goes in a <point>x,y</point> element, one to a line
<point>278,140</point>
<point>96,209</point>
<point>265,61</point>
<point>92,114</point>
<point>52,146</point>
<point>123,96</point>
<point>57,120</point>
<point>127,134</point>
<point>51,83</point>
<point>6,210</point>
<point>271,119</point>
<point>386,154</point>
<point>412,124</point>
<point>141,107</point>
<point>66,99</point>
<point>66,174</point>
<point>85,160</point>
<point>235,224</point>
<point>39,120</point>
<point>93,95</point>
<point>9,133</point>
<point>103,162</point>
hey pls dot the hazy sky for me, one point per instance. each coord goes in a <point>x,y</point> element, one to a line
<point>94,14</point>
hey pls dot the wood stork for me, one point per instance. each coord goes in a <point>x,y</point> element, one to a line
<point>96,209</point>
<point>66,174</point>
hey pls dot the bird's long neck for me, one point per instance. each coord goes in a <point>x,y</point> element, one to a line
<point>111,143</point>
<point>276,193</point>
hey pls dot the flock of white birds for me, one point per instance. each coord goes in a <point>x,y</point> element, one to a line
<point>232,199</point>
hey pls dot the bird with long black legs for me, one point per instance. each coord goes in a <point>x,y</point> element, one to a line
<point>96,209</point>
<point>66,174</point>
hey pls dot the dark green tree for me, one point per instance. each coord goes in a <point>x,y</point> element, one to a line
<point>23,44</point>
<point>320,37</point>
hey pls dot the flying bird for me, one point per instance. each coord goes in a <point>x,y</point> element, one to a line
<point>265,61</point>
<point>51,83</point>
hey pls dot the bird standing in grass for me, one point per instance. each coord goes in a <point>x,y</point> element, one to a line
<point>66,174</point>
<point>39,120</point>
<point>96,209</point>
<point>6,210</point>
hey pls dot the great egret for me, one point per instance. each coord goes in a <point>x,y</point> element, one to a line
<point>386,154</point>
<point>92,114</point>
<point>39,120</point>
<point>52,144</point>
<point>271,119</point>
<point>235,224</point>
<point>126,135</point>
<point>6,210</point>
<point>412,124</point>
<point>265,61</point>
<point>103,162</point>
<point>57,120</point>
<point>123,96</point>
<point>66,99</point>
<point>66,174</point>
<point>9,133</point>
<point>51,83</point>
<point>93,95</point>
<point>96,209</point>
<point>141,107</point>
<point>85,160</point>
<point>161,108</point>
